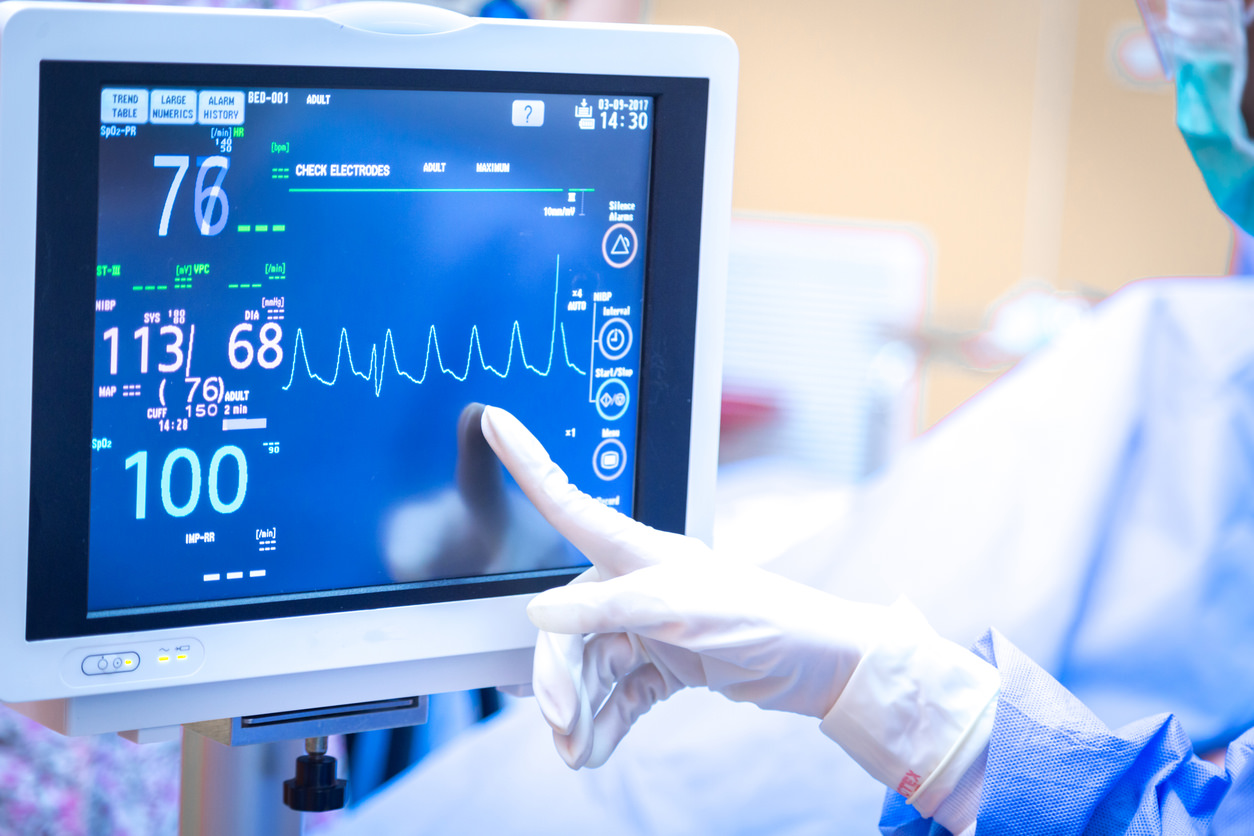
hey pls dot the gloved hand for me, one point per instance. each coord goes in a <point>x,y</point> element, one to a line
<point>662,612</point>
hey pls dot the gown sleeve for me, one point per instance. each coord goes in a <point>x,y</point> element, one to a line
<point>1053,767</point>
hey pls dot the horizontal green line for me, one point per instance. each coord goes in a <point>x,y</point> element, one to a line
<point>377,191</point>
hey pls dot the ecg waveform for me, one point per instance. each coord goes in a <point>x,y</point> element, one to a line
<point>378,362</point>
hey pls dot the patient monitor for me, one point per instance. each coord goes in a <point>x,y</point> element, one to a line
<point>257,266</point>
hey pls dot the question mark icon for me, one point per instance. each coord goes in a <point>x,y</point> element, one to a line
<point>528,118</point>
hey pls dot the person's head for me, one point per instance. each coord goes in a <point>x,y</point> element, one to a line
<point>1204,46</point>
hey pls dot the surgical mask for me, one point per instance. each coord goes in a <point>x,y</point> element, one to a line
<point>1202,43</point>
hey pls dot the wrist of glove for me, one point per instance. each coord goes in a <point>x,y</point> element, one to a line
<point>917,711</point>
<point>659,612</point>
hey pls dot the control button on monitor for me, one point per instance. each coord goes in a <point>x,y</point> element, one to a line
<point>108,663</point>
<point>220,107</point>
<point>528,113</point>
<point>615,338</point>
<point>172,107</point>
<point>123,106</point>
<point>612,399</point>
<point>609,459</point>
<point>619,245</point>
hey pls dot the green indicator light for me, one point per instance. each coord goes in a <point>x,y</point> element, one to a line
<point>232,285</point>
<point>161,287</point>
<point>245,228</point>
<point>262,228</point>
<point>279,228</point>
<point>150,287</point>
<point>137,287</point>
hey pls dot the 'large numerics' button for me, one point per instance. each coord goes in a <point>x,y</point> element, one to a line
<point>102,663</point>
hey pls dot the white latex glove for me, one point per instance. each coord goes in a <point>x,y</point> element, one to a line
<point>662,612</point>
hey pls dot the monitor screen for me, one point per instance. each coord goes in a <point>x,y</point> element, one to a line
<point>303,279</point>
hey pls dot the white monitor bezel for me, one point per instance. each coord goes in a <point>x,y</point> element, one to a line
<point>425,648</point>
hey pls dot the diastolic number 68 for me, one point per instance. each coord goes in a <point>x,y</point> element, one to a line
<point>268,353</point>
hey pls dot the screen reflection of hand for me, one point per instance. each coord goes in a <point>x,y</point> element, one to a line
<point>476,528</point>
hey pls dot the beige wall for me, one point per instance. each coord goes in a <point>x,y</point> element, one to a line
<point>997,125</point>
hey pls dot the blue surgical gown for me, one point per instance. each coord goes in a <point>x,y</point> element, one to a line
<point>1162,615</point>
<point>1054,768</point>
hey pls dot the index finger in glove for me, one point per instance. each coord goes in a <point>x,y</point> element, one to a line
<point>658,602</point>
<point>614,542</point>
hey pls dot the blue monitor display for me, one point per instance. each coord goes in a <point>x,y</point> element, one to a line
<point>299,290</point>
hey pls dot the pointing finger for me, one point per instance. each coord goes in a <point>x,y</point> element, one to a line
<point>614,542</point>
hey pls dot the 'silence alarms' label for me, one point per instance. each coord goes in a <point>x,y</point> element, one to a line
<point>300,291</point>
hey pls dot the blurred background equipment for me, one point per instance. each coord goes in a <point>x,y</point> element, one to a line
<point>819,364</point>
<point>1028,141</point>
